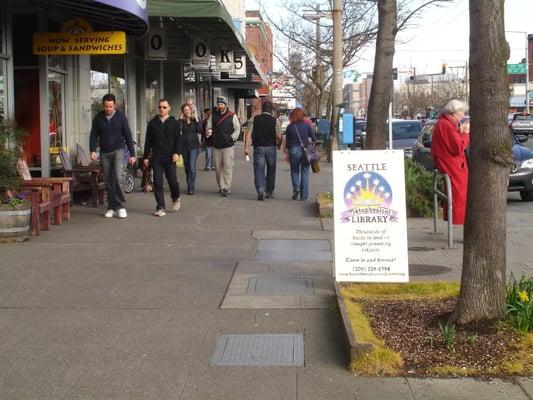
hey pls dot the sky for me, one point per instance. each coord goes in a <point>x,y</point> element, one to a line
<point>439,35</point>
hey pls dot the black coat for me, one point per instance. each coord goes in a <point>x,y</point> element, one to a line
<point>162,138</point>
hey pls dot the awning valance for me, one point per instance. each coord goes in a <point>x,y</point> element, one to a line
<point>205,17</point>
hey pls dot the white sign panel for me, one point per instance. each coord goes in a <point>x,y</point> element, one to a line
<point>200,52</point>
<point>239,66</point>
<point>369,216</point>
<point>224,60</point>
<point>156,45</point>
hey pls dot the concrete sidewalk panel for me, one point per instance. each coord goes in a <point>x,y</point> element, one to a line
<point>465,389</point>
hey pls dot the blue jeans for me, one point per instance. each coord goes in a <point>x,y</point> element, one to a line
<point>299,172</point>
<point>189,162</point>
<point>208,157</point>
<point>113,165</point>
<point>265,155</point>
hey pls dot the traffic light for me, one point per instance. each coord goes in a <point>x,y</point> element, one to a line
<point>444,68</point>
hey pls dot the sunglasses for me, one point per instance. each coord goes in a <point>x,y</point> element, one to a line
<point>163,107</point>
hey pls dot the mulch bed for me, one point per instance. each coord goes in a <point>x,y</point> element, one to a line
<point>411,328</point>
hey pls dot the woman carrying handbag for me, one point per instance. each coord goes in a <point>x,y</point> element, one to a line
<point>297,135</point>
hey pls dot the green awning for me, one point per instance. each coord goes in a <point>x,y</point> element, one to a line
<point>205,17</point>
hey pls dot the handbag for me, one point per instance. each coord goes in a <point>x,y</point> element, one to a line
<point>311,154</point>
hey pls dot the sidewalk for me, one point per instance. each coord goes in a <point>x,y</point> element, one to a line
<point>134,309</point>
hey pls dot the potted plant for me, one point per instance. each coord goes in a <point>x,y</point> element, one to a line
<point>15,210</point>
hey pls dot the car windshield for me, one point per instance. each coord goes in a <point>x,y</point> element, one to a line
<point>360,125</point>
<point>406,130</point>
<point>523,117</point>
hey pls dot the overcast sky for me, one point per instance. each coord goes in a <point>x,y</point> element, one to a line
<point>440,35</point>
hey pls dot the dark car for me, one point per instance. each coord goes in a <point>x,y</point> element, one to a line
<point>359,126</point>
<point>404,134</point>
<point>522,124</point>
<point>520,176</point>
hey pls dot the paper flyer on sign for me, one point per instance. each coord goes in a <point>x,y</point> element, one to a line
<point>370,222</point>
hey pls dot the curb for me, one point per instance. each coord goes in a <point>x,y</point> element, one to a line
<point>356,349</point>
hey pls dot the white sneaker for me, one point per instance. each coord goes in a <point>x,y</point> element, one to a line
<point>122,213</point>
<point>109,214</point>
<point>176,205</point>
<point>160,213</point>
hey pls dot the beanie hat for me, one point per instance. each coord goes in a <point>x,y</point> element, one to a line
<point>222,99</point>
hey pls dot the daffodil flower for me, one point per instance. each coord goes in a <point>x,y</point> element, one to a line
<point>523,296</point>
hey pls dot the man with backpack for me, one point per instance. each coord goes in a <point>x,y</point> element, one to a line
<point>223,128</point>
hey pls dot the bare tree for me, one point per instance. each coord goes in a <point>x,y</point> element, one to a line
<point>482,294</point>
<point>391,20</point>
<point>313,41</point>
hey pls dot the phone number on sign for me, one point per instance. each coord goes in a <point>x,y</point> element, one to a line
<point>371,269</point>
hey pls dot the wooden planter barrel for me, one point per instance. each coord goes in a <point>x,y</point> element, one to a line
<point>14,223</point>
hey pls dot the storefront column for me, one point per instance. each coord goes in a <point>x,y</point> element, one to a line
<point>173,85</point>
<point>131,101</point>
<point>43,104</point>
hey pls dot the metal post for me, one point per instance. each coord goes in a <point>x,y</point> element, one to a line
<point>448,197</point>
<point>527,74</point>
<point>337,62</point>
<point>318,67</point>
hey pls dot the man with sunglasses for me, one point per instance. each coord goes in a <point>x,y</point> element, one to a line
<point>163,143</point>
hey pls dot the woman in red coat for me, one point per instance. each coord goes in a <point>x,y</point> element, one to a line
<point>448,144</point>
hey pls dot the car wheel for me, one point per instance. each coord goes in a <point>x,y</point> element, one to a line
<point>526,195</point>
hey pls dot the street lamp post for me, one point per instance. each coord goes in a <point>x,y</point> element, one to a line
<point>527,67</point>
<point>337,62</point>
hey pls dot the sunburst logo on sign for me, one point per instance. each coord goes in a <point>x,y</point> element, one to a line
<point>367,189</point>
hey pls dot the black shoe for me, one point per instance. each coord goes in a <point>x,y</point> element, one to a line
<point>261,196</point>
<point>295,194</point>
<point>225,192</point>
<point>190,192</point>
<point>270,195</point>
<point>212,168</point>
<point>206,169</point>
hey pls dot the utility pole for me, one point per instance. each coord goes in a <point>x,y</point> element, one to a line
<point>318,67</point>
<point>337,65</point>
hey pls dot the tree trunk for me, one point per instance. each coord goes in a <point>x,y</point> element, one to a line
<point>483,279</point>
<point>380,93</point>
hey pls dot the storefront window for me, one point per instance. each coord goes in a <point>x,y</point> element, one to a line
<point>107,76</point>
<point>3,100</point>
<point>152,88</point>
<point>56,122</point>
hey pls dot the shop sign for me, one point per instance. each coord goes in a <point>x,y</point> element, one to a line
<point>200,53</point>
<point>370,222</point>
<point>156,44</point>
<point>60,43</point>
<point>239,66</point>
<point>224,60</point>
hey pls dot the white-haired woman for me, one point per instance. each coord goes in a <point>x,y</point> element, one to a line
<point>451,136</point>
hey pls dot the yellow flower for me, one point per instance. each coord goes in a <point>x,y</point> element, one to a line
<point>523,296</point>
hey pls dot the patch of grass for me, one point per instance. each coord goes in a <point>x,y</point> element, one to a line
<point>325,198</point>
<point>400,291</point>
<point>379,361</point>
<point>522,362</point>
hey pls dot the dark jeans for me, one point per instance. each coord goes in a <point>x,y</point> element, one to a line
<point>189,162</point>
<point>265,155</point>
<point>113,165</point>
<point>168,167</point>
<point>299,172</point>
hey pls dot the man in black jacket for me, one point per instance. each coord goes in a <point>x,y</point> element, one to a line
<point>163,144</point>
<point>265,135</point>
<point>110,130</point>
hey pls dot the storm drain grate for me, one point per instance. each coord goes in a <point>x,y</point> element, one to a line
<point>279,350</point>
<point>279,285</point>
<point>293,250</point>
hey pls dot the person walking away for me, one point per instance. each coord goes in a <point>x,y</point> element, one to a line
<point>224,127</point>
<point>298,134</point>
<point>190,133</point>
<point>264,135</point>
<point>206,142</point>
<point>448,144</point>
<point>110,130</point>
<point>163,142</point>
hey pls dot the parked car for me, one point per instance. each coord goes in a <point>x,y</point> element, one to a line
<point>404,134</point>
<point>359,126</point>
<point>522,123</point>
<point>520,175</point>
